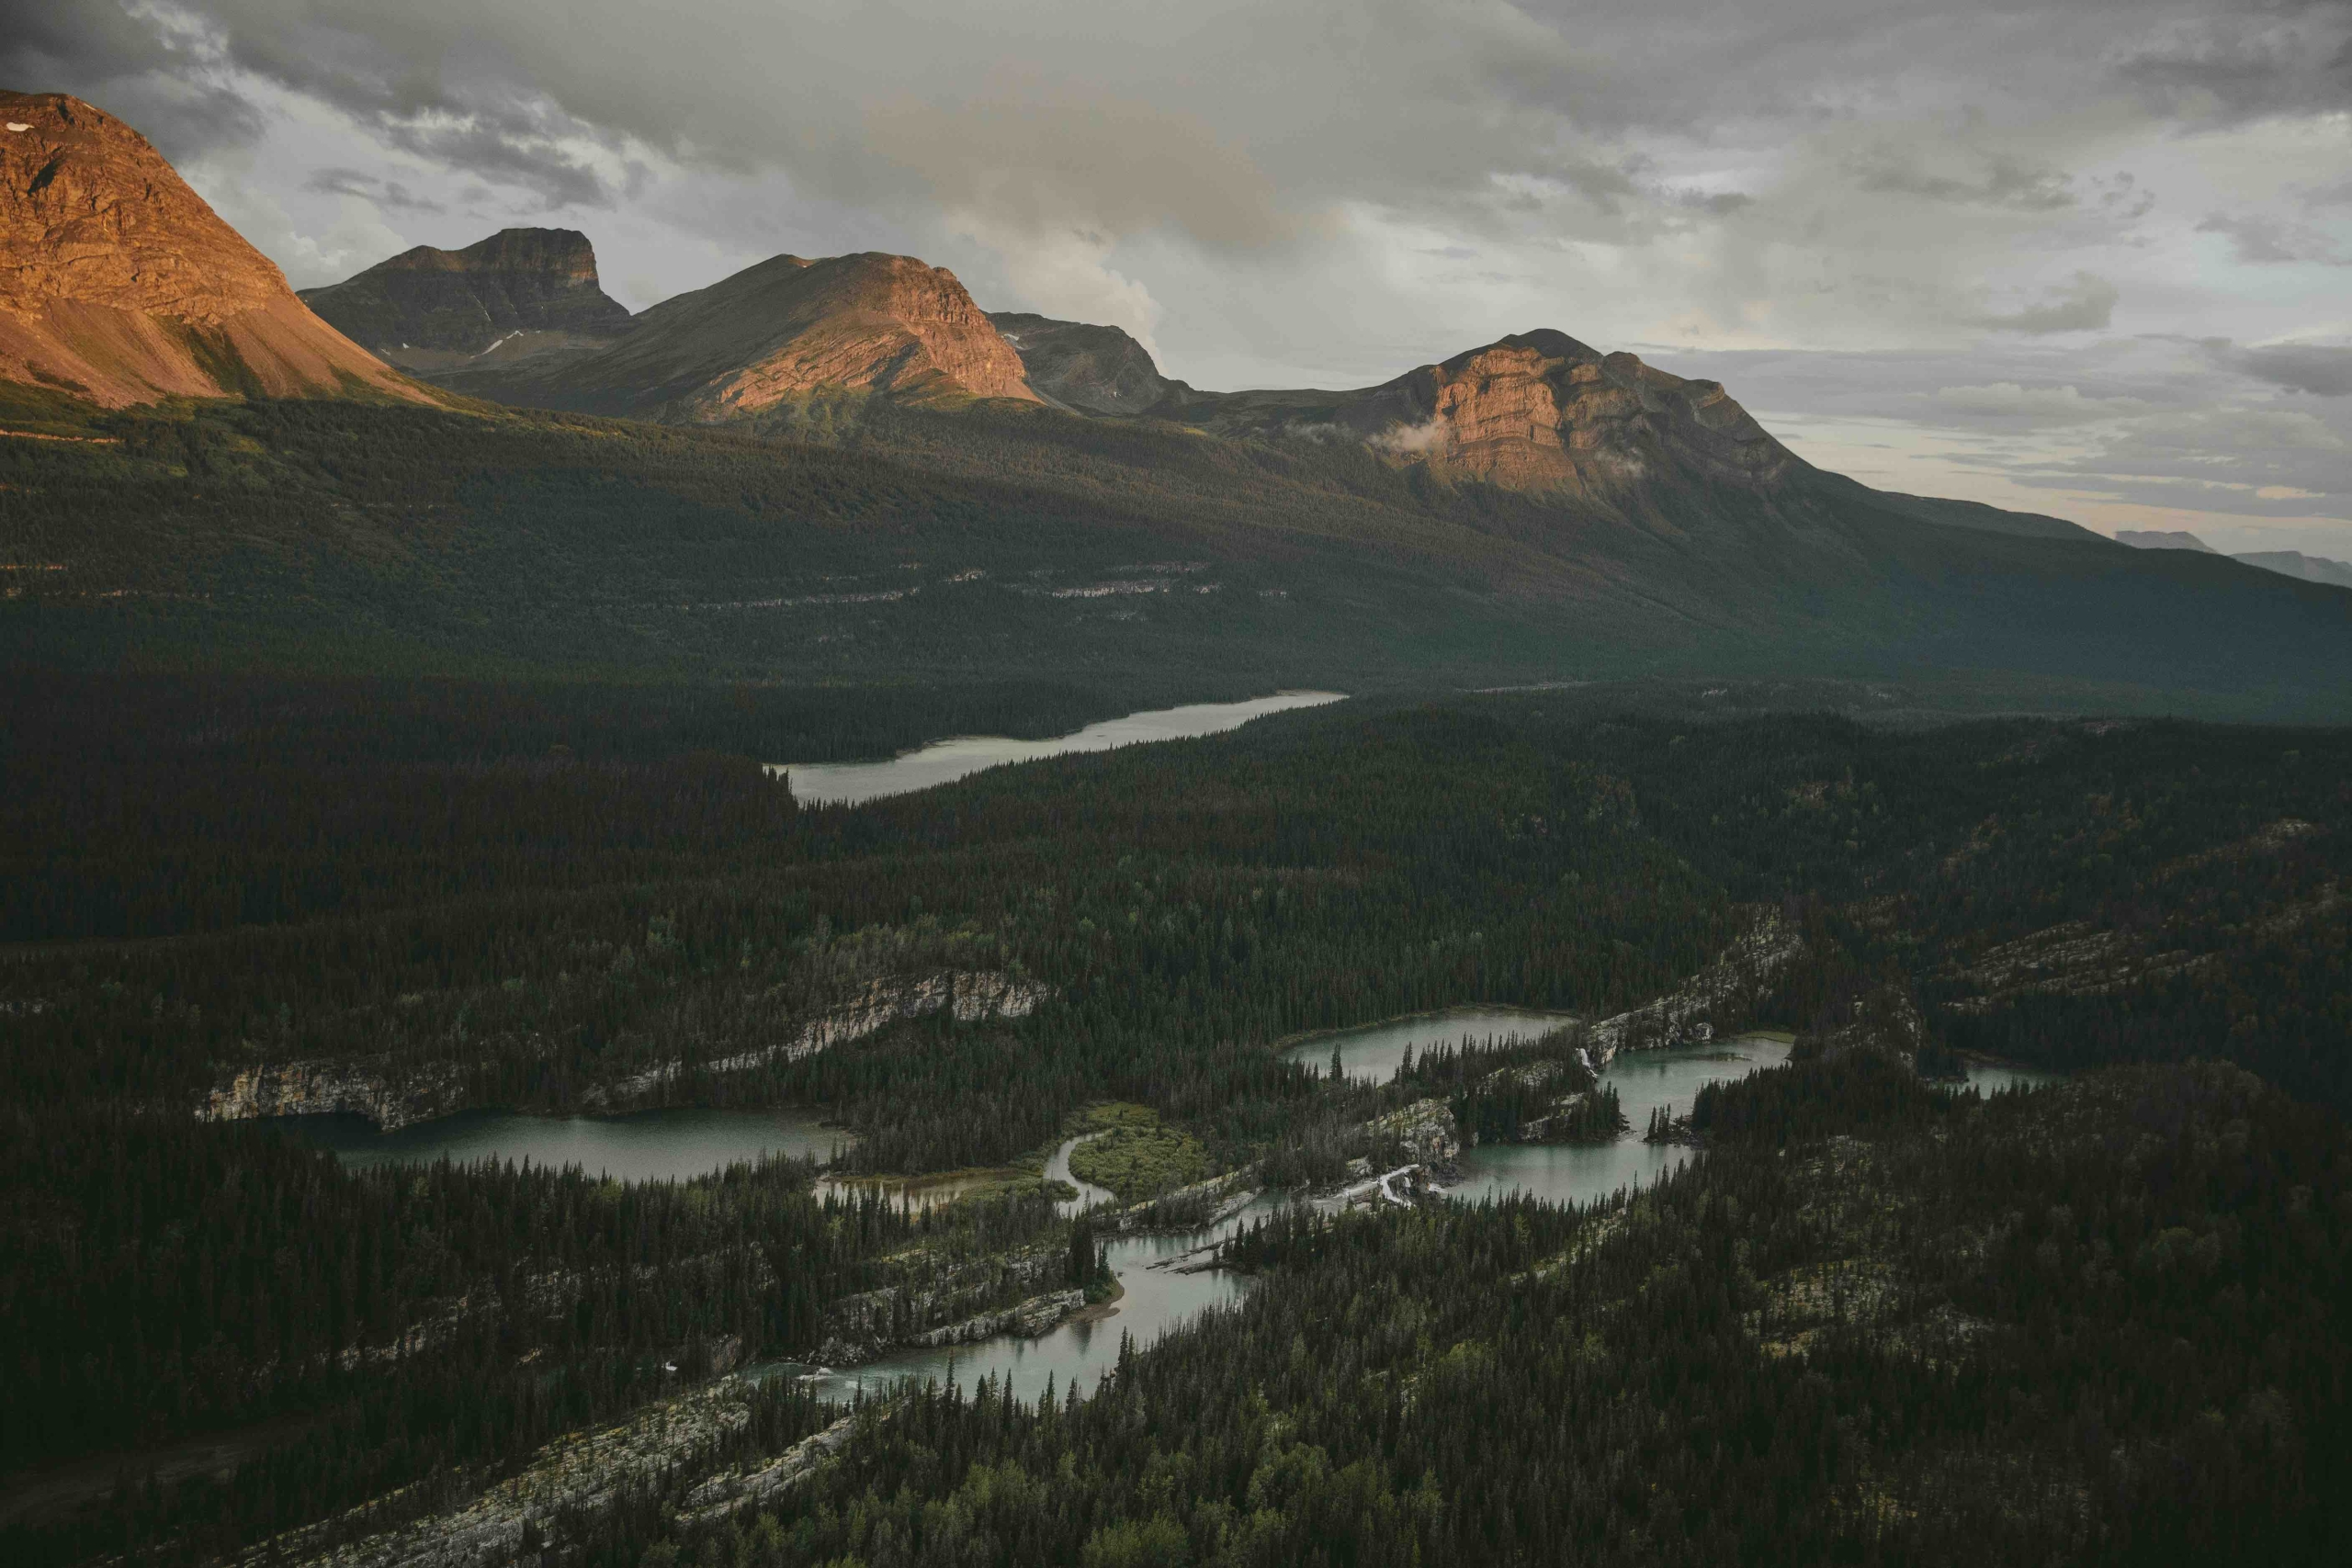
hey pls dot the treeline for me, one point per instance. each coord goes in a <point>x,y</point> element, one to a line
<point>1173,907</point>
<point>2104,1323</point>
<point>546,933</point>
<point>1502,1091</point>
<point>160,1278</point>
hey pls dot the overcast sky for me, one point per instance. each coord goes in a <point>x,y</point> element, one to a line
<point>2091,257</point>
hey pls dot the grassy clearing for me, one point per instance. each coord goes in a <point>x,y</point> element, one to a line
<point>1135,1157</point>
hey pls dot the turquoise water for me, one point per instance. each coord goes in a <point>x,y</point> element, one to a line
<point>853,784</point>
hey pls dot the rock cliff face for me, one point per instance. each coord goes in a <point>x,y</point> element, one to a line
<point>521,290</point>
<point>1535,411</point>
<point>1089,369</point>
<point>120,285</point>
<point>322,1089</point>
<point>545,1514</point>
<point>1718,999</point>
<point>968,996</point>
<point>871,322</point>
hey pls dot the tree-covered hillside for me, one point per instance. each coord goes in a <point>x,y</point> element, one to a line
<point>849,538</point>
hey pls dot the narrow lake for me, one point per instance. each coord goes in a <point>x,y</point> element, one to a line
<point>944,762</point>
<point>652,1145</point>
<point>1373,1052</point>
<point>1577,1173</point>
<point>1157,1300</point>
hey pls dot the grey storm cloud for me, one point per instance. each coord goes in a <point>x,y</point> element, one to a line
<point>1292,106</point>
<point>2267,239</point>
<point>388,193</point>
<point>2322,370</point>
<point>2270,57</point>
<point>2084,303</point>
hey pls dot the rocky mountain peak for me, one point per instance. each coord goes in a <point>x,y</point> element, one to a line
<point>785,327</point>
<point>520,290</point>
<point>118,281</point>
<point>1541,411</point>
<point>1093,370</point>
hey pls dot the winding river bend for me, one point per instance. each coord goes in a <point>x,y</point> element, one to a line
<point>945,762</point>
<point>675,1144</point>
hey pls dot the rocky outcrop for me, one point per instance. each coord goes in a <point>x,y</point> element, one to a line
<point>946,1303</point>
<point>576,1482</point>
<point>369,1089</point>
<point>521,291</point>
<point>118,284</point>
<point>1080,366</point>
<point>1720,997</point>
<point>969,995</point>
<point>1885,1022</point>
<point>1535,411</point>
<point>1027,1319</point>
<point>730,1490</point>
<point>879,324</point>
<point>1425,1129</point>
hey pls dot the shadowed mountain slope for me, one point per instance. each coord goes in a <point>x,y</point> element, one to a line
<point>118,284</point>
<point>519,290</point>
<point>924,545</point>
<point>1091,370</point>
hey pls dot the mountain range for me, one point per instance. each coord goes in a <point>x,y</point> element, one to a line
<point>2287,563</point>
<point>489,458</point>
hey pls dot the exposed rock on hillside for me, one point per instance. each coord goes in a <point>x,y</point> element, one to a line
<point>967,996</point>
<point>387,1097</point>
<point>120,285</point>
<point>520,290</point>
<point>1719,998</point>
<point>1886,1022</point>
<point>871,322</point>
<point>1535,411</point>
<point>1089,369</point>
<point>576,1482</point>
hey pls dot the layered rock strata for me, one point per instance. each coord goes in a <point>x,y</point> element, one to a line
<point>1720,997</point>
<point>118,284</point>
<point>968,996</point>
<point>1534,412</point>
<point>521,291</point>
<point>371,1088</point>
<point>880,325</point>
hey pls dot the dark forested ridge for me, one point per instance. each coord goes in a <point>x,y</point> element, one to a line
<point>2104,1323</point>
<point>848,539</point>
<point>1888,1344</point>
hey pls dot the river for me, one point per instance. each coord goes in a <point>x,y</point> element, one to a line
<point>676,1143</point>
<point>651,1146</point>
<point>944,762</point>
<point>1088,1195</point>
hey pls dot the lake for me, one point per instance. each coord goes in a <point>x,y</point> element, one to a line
<point>1577,1173</point>
<point>1373,1054</point>
<point>1157,1300</point>
<point>652,1145</point>
<point>944,762</point>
